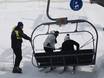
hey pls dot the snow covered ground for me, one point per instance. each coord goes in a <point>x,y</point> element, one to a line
<point>33,13</point>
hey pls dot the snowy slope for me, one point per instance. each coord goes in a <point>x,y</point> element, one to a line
<point>32,14</point>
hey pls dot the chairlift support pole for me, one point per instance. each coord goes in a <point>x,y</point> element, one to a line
<point>62,20</point>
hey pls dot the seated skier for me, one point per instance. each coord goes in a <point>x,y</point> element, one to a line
<point>68,47</point>
<point>49,44</point>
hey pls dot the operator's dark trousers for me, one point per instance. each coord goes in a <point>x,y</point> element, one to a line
<point>18,53</point>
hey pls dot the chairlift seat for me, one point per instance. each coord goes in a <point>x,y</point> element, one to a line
<point>81,57</point>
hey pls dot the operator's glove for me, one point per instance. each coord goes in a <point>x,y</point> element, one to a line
<point>30,40</point>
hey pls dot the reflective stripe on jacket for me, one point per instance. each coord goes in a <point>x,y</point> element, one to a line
<point>17,35</point>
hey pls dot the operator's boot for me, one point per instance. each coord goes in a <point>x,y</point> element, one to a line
<point>20,68</point>
<point>17,70</point>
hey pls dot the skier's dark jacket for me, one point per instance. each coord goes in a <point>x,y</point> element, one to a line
<point>68,46</point>
<point>16,37</point>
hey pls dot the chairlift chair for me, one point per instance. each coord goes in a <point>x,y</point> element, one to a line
<point>84,56</point>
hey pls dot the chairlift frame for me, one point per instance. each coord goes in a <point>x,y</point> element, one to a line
<point>50,63</point>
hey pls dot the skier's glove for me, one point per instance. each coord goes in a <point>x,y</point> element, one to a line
<point>48,44</point>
